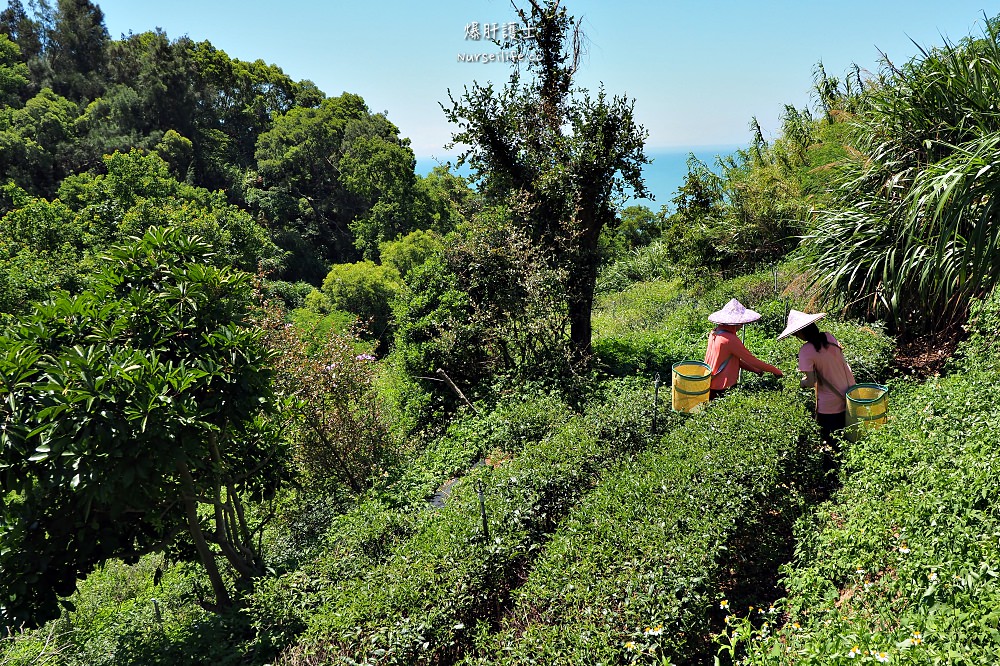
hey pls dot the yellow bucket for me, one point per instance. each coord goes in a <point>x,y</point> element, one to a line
<point>867,409</point>
<point>690,386</point>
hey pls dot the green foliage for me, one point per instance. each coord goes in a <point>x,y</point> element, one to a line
<point>422,595</point>
<point>909,234</point>
<point>126,407</point>
<point>556,155</point>
<point>647,264</point>
<point>178,152</point>
<point>489,306</point>
<point>979,350</point>
<point>901,564</point>
<point>35,140</point>
<point>41,251</point>
<point>634,227</point>
<point>138,192</point>
<point>339,433</point>
<point>411,250</point>
<point>380,171</point>
<point>338,176</point>
<point>367,290</point>
<point>13,72</point>
<point>291,295</point>
<point>446,199</point>
<point>690,235</point>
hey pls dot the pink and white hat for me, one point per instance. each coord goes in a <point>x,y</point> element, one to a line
<point>799,320</point>
<point>734,313</point>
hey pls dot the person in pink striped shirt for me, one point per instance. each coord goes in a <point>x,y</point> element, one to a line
<point>823,366</point>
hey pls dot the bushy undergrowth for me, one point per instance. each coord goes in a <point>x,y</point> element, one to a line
<point>134,614</point>
<point>394,580</point>
<point>634,573</point>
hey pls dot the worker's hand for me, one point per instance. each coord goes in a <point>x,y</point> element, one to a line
<point>778,374</point>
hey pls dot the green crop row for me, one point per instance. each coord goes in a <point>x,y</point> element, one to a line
<point>903,566</point>
<point>638,570</point>
<point>418,590</point>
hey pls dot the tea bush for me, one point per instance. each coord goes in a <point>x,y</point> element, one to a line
<point>901,567</point>
<point>421,600</point>
<point>635,571</point>
<point>650,326</point>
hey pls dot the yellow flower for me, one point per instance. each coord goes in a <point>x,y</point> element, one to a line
<point>881,657</point>
<point>917,638</point>
<point>630,645</point>
<point>855,651</point>
<point>724,604</point>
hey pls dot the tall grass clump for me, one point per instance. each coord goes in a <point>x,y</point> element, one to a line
<point>911,232</point>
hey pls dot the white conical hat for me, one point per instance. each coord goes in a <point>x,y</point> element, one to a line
<point>799,320</point>
<point>734,313</point>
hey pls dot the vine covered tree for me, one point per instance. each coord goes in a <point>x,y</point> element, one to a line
<point>556,153</point>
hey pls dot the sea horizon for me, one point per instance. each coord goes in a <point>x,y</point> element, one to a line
<point>663,176</point>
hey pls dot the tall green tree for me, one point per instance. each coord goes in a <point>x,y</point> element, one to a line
<point>76,49</point>
<point>558,154</point>
<point>341,178</point>
<point>132,423</point>
<point>36,140</point>
<point>13,72</point>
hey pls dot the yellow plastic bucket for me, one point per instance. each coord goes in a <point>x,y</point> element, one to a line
<point>690,385</point>
<point>867,409</point>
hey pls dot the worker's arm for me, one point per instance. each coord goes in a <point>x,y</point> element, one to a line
<point>808,379</point>
<point>750,362</point>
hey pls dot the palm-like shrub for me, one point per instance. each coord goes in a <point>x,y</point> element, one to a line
<point>911,232</point>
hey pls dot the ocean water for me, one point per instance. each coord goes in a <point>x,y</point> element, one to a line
<point>663,176</point>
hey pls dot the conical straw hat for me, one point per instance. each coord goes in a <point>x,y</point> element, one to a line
<point>799,320</point>
<point>734,313</point>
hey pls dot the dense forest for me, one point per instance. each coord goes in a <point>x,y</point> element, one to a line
<point>267,396</point>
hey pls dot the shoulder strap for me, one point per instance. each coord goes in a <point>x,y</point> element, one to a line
<point>728,358</point>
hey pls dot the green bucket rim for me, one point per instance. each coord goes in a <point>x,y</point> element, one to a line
<point>680,374</point>
<point>867,401</point>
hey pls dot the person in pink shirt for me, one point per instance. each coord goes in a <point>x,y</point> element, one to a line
<point>726,353</point>
<point>822,363</point>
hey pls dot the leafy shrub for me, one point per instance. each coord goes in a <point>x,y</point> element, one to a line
<point>646,264</point>
<point>367,290</point>
<point>410,250</point>
<point>293,295</point>
<point>339,435</point>
<point>488,307</point>
<point>124,409</point>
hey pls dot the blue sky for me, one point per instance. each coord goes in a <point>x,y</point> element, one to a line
<point>697,69</point>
